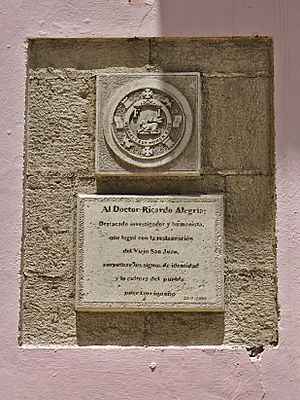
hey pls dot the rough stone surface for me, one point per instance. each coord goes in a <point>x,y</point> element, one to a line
<point>249,56</point>
<point>48,240</point>
<point>237,153</point>
<point>87,54</point>
<point>61,121</point>
<point>48,308</point>
<point>249,226</point>
<point>150,329</point>
<point>204,184</point>
<point>110,328</point>
<point>238,125</point>
<point>251,306</point>
<point>50,256</point>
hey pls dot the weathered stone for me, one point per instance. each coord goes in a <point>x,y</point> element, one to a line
<point>61,125</point>
<point>85,184</point>
<point>184,329</point>
<point>50,224</point>
<point>48,310</point>
<point>249,56</point>
<point>204,184</point>
<point>238,125</point>
<point>249,226</point>
<point>49,260</point>
<point>251,306</point>
<point>118,328</point>
<point>237,140</point>
<point>48,242</point>
<point>87,54</point>
<point>150,329</point>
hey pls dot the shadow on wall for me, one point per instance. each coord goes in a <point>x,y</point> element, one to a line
<point>189,18</point>
<point>150,329</point>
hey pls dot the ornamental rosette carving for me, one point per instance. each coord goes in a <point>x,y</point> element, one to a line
<point>148,123</point>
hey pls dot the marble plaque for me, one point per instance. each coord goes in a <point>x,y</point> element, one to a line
<point>158,253</point>
<point>148,124</point>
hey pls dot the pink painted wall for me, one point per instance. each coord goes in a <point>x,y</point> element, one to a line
<point>110,373</point>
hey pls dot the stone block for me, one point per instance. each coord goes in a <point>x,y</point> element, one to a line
<point>251,307</point>
<point>248,56</point>
<point>249,221</point>
<point>48,311</point>
<point>49,261</point>
<point>204,184</point>
<point>149,329</point>
<point>237,125</point>
<point>85,184</point>
<point>61,124</point>
<point>184,329</point>
<point>50,223</point>
<point>250,318</point>
<point>48,229</point>
<point>88,54</point>
<point>117,328</point>
<point>48,201</point>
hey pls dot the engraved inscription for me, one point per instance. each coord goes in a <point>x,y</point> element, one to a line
<point>150,252</point>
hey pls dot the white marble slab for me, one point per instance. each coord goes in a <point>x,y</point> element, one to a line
<point>150,253</point>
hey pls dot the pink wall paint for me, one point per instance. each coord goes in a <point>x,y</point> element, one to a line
<point>110,373</point>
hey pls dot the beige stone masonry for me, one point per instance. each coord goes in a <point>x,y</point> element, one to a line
<point>237,152</point>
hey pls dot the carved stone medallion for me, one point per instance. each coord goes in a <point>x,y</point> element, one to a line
<point>148,123</point>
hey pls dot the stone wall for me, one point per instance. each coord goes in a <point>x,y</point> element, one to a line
<point>237,149</point>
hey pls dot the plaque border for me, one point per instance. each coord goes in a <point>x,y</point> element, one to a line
<point>154,84</point>
<point>156,171</point>
<point>218,306</point>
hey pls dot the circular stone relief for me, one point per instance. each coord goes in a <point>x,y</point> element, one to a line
<point>148,123</point>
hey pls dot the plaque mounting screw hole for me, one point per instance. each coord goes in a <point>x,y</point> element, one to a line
<point>152,366</point>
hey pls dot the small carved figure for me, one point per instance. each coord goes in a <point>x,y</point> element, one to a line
<point>150,126</point>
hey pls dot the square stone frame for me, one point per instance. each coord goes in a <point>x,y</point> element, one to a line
<point>114,162</point>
